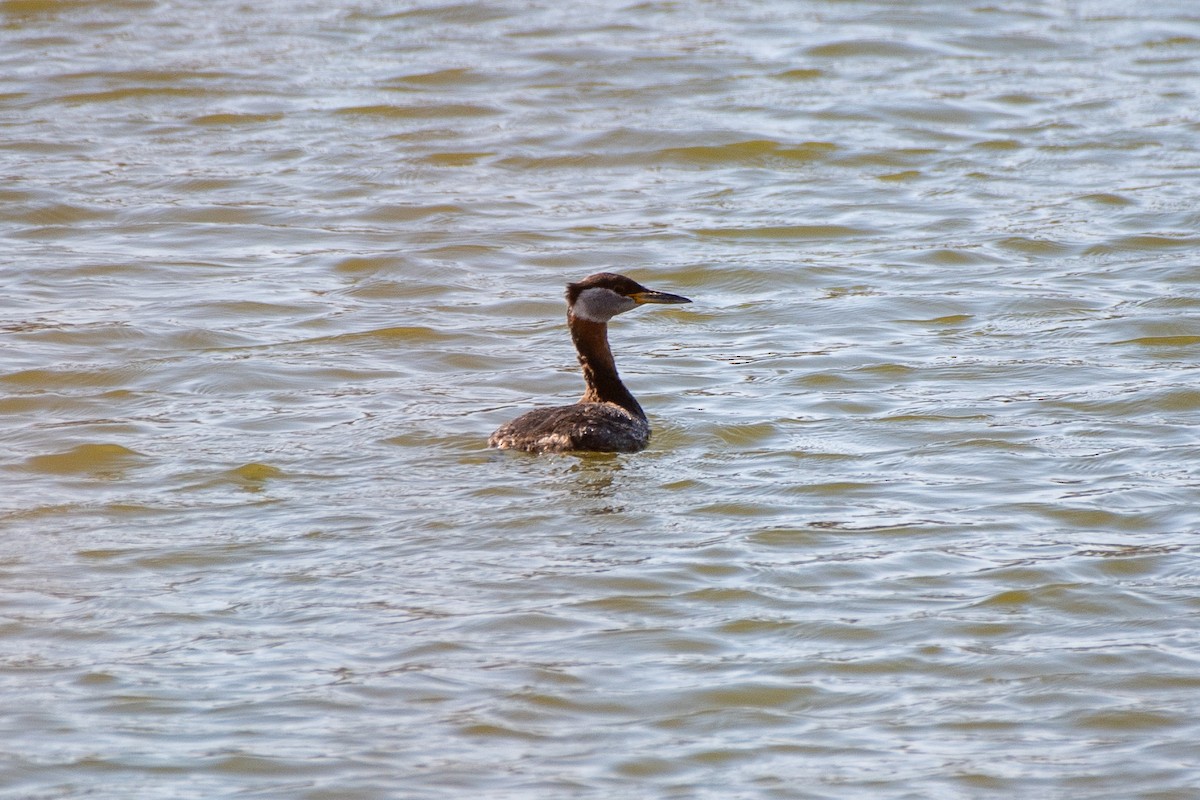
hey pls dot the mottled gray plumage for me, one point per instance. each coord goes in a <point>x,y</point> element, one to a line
<point>598,427</point>
<point>607,418</point>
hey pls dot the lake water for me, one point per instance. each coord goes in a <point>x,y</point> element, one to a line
<point>920,516</point>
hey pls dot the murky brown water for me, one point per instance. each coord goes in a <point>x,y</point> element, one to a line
<point>920,514</point>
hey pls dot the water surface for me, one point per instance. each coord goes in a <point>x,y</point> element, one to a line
<point>919,515</point>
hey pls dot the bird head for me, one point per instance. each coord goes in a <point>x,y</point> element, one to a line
<point>600,297</point>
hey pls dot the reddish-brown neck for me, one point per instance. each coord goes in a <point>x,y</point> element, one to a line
<point>599,370</point>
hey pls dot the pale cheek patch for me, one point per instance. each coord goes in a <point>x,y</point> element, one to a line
<point>601,305</point>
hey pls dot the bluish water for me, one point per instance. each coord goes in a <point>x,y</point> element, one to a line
<point>919,515</point>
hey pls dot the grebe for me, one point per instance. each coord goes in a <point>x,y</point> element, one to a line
<point>607,418</point>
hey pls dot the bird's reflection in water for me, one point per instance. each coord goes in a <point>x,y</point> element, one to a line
<point>593,482</point>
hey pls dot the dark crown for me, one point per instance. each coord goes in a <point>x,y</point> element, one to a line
<point>604,280</point>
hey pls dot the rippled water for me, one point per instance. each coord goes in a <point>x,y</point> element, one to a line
<point>919,518</point>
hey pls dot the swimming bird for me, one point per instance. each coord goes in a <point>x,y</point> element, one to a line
<point>607,418</point>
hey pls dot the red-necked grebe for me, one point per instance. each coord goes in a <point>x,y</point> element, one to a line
<point>607,418</point>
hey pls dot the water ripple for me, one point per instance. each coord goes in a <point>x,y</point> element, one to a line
<point>918,512</point>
